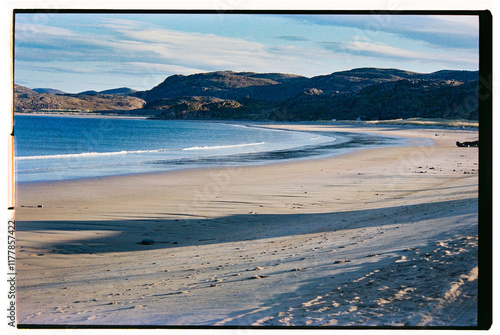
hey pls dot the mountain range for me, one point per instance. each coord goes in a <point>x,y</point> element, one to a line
<point>366,93</point>
<point>27,100</point>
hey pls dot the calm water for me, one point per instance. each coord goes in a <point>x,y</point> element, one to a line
<point>49,148</point>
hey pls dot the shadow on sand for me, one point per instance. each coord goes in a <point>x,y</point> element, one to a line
<point>126,235</point>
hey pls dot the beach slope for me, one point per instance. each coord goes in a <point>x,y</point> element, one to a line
<point>379,237</point>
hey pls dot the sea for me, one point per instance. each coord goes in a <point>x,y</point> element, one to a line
<point>55,147</point>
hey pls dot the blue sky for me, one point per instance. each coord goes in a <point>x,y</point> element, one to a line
<point>77,52</point>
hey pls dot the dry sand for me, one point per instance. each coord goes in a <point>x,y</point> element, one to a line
<point>371,238</point>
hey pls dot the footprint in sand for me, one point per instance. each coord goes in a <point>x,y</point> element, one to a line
<point>138,307</point>
<point>93,317</point>
<point>315,301</point>
<point>402,259</point>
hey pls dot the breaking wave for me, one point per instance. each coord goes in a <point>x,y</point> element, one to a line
<point>125,152</point>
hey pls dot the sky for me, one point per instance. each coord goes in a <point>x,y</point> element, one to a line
<point>97,51</point>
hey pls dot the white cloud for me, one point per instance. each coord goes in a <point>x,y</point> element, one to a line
<point>456,23</point>
<point>115,48</point>
<point>29,29</point>
<point>160,68</point>
<point>193,46</point>
<point>118,24</point>
<point>456,31</point>
<point>57,68</point>
<point>186,51</point>
<point>381,49</point>
<point>361,47</point>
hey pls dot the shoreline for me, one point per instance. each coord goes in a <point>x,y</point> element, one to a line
<point>213,169</point>
<point>347,140</point>
<point>411,123</point>
<point>333,241</point>
<point>83,115</point>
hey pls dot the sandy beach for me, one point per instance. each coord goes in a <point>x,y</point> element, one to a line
<point>379,237</point>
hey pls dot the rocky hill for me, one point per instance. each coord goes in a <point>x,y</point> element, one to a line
<point>26,100</point>
<point>405,98</point>
<point>226,85</point>
<point>368,93</point>
<point>114,91</point>
<point>48,90</point>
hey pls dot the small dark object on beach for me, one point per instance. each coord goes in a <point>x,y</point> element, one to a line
<point>40,206</point>
<point>468,144</point>
<point>147,241</point>
<point>258,277</point>
<point>341,261</point>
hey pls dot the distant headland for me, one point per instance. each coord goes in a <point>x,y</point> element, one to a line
<point>364,93</point>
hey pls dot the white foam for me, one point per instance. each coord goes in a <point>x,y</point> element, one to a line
<point>223,146</point>
<point>125,152</point>
<point>88,154</point>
